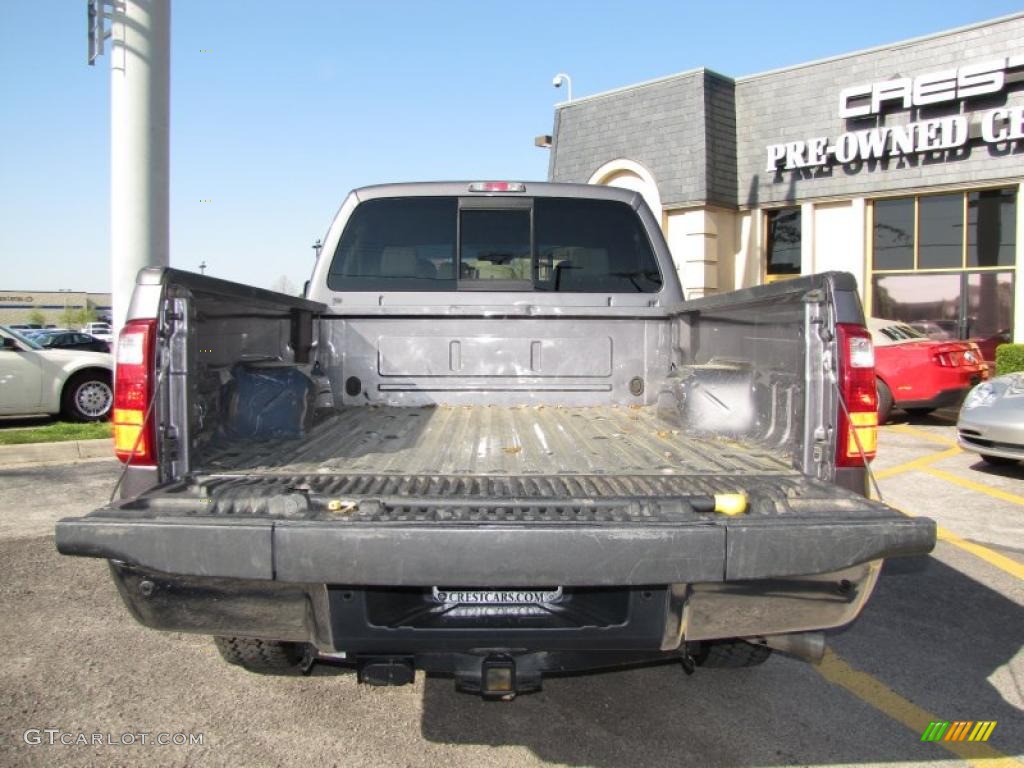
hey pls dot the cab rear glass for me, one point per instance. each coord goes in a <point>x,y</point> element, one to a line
<point>553,244</point>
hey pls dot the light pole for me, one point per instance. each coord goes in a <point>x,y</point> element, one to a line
<point>561,78</point>
<point>139,32</point>
<point>202,267</point>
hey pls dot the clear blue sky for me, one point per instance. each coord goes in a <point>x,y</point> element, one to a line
<point>301,101</point>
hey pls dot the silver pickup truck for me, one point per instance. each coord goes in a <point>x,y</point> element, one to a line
<point>495,443</point>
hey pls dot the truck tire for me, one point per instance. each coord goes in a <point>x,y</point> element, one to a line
<point>731,654</point>
<point>266,657</point>
<point>87,396</point>
<point>884,401</point>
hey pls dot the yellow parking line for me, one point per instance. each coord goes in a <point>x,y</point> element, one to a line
<point>995,493</point>
<point>929,436</point>
<point>990,556</point>
<point>919,463</point>
<point>872,691</point>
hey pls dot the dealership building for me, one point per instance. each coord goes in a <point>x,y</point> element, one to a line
<point>18,307</point>
<point>902,164</point>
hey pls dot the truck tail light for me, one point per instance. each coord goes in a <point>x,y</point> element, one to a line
<point>858,390</point>
<point>134,436</point>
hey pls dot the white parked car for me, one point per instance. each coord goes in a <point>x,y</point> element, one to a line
<point>100,331</point>
<point>34,380</point>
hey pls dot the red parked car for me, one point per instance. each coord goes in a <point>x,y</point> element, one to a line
<point>919,374</point>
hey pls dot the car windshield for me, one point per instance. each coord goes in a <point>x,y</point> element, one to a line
<point>528,244</point>
<point>23,339</point>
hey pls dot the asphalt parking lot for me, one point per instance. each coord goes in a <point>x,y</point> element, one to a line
<point>941,639</point>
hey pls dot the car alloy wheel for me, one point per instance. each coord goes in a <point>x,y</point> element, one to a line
<point>94,398</point>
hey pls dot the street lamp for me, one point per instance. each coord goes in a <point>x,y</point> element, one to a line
<point>560,78</point>
<point>202,267</point>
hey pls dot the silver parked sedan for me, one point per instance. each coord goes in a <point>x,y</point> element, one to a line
<point>992,420</point>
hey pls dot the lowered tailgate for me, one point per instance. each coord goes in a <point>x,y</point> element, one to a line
<point>497,530</point>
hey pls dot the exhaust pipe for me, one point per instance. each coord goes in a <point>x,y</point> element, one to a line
<point>809,646</point>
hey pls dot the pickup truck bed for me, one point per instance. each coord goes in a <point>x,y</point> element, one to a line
<point>506,440</point>
<point>536,463</point>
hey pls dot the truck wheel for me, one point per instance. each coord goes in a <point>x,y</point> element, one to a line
<point>87,396</point>
<point>267,657</point>
<point>884,401</point>
<point>731,654</point>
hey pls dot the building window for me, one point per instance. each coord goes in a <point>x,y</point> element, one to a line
<point>991,227</point>
<point>944,263</point>
<point>783,243</point>
<point>894,234</point>
<point>940,232</point>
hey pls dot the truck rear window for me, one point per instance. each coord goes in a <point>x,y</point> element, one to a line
<point>547,244</point>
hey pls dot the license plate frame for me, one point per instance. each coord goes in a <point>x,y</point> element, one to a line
<point>453,597</point>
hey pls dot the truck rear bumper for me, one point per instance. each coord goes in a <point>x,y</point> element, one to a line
<point>355,622</point>
<point>493,555</point>
<point>367,589</point>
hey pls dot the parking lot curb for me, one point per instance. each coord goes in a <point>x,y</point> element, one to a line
<point>69,450</point>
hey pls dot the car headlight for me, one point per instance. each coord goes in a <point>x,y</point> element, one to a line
<point>981,395</point>
<point>1016,387</point>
